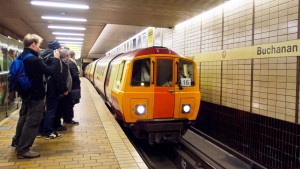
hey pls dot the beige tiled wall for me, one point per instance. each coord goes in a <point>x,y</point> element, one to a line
<point>178,40</point>
<point>236,84</point>
<point>274,87</point>
<point>167,38</point>
<point>210,79</point>
<point>199,73</point>
<point>238,19</point>
<point>275,21</point>
<point>211,31</point>
<point>192,41</point>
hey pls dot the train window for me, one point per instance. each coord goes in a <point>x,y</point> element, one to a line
<point>120,73</point>
<point>141,73</point>
<point>165,78</point>
<point>186,73</point>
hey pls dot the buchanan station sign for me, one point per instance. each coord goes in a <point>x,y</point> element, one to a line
<point>280,49</point>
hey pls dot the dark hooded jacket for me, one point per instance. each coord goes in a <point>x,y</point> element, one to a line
<point>56,86</point>
<point>35,68</point>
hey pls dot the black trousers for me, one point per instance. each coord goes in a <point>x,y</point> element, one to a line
<point>64,110</point>
<point>59,112</point>
<point>31,114</point>
<point>69,113</point>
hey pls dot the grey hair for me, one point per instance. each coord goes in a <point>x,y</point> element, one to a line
<point>72,53</point>
<point>64,53</point>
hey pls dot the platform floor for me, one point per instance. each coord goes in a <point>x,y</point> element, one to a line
<point>98,142</point>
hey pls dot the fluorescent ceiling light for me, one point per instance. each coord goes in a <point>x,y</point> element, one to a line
<point>64,18</point>
<point>60,4</point>
<point>69,34</point>
<point>71,42</point>
<point>68,38</point>
<point>66,27</point>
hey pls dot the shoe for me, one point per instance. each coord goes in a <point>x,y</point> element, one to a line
<point>28,154</point>
<point>72,122</point>
<point>53,135</point>
<point>61,128</point>
<point>13,144</point>
<point>57,134</point>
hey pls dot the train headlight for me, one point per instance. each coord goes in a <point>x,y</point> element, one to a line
<point>186,108</point>
<point>140,109</point>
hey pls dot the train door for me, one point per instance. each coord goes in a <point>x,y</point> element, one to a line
<point>164,98</point>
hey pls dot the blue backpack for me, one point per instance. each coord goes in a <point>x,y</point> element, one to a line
<point>18,80</point>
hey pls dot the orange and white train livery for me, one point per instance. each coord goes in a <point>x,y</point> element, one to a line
<point>154,91</point>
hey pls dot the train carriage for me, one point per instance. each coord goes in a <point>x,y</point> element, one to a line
<point>154,91</point>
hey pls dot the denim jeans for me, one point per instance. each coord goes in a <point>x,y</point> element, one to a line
<point>51,107</point>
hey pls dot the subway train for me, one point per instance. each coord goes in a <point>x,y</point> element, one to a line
<point>153,91</point>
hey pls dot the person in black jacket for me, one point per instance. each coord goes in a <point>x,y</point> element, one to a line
<point>55,88</point>
<point>63,101</point>
<point>33,104</point>
<point>74,96</point>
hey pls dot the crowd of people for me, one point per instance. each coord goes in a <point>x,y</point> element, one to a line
<point>54,90</point>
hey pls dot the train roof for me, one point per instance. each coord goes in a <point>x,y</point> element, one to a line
<point>149,51</point>
<point>141,52</point>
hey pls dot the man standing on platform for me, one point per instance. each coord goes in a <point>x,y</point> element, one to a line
<point>33,105</point>
<point>56,86</point>
<point>74,96</point>
<point>63,101</point>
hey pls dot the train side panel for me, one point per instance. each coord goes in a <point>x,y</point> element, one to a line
<point>117,90</point>
<point>97,73</point>
<point>102,67</point>
<point>102,72</point>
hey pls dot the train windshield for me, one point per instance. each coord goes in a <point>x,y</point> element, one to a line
<point>186,73</point>
<point>164,76</point>
<point>141,73</point>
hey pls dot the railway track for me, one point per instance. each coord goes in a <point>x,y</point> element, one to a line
<point>181,155</point>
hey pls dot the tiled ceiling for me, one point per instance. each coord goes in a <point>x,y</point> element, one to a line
<point>125,18</point>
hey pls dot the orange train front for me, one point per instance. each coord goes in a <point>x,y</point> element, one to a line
<point>154,91</point>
